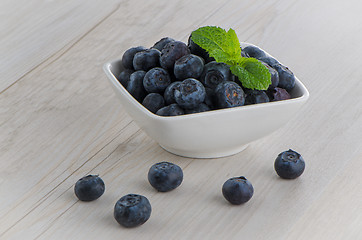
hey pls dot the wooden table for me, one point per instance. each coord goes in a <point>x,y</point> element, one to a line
<point>59,120</point>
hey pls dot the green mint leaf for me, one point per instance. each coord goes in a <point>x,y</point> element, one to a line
<point>221,45</point>
<point>224,46</point>
<point>252,74</point>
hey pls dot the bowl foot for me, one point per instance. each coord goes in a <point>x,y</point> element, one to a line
<point>208,154</point>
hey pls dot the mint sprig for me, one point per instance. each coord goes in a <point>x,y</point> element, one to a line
<point>224,46</point>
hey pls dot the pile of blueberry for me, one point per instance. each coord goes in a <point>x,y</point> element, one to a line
<point>133,210</point>
<point>172,78</point>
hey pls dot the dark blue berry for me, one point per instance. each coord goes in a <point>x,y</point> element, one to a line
<point>123,77</point>
<point>153,102</point>
<point>171,110</point>
<point>171,52</point>
<point>132,210</point>
<point>237,190</point>
<point>269,60</point>
<point>278,94</point>
<point>165,176</point>
<point>289,164</point>
<point>274,76</point>
<point>147,59</point>
<point>127,58</point>
<point>135,85</point>
<point>190,93</point>
<point>215,73</point>
<point>229,94</point>
<point>162,43</point>
<point>255,96</point>
<point>243,53</point>
<point>254,52</point>
<point>169,93</point>
<point>286,77</point>
<point>188,66</point>
<point>201,108</point>
<point>156,80</point>
<point>89,188</point>
<point>197,50</point>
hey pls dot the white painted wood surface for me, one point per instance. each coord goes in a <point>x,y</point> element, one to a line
<point>59,121</point>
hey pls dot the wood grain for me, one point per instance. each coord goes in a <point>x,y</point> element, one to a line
<point>62,121</point>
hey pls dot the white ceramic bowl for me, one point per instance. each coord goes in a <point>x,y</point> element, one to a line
<point>211,134</point>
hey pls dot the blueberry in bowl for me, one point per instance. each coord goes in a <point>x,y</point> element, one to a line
<point>213,115</point>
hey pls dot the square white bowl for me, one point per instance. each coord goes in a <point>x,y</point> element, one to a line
<point>212,134</point>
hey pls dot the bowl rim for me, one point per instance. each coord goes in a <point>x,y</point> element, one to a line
<point>114,81</point>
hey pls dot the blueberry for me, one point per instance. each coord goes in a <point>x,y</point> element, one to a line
<point>274,76</point>
<point>269,60</point>
<point>188,66</point>
<point>229,94</point>
<point>286,77</point>
<point>165,176</point>
<point>201,108</point>
<point>169,93</point>
<point>215,73</point>
<point>123,77</point>
<point>156,80</point>
<point>278,94</point>
<point>171,52</point>
<point>162,43</point>
<point>289,164</point>
<point>127,58</point>
<point>132,210</point>
<point>243,53</point>
<point>171,110</point>
<point>89,188</point>
<point>190,93</point>
<point>254,52</point>
<point>146,59</point>
<point>255,96</point>
<point>237,190</point>
<point>197,50</point>
<point>135,85</point>
<point>153,102</point>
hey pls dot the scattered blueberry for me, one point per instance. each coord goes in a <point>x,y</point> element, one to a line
<point>255,96</point>
<point>169,93</point>
<point>135,85</point>
<point>215,73</point>
<point>123,77</point>
<point>171,110</point>
<point>286,77</point>
<point>188,66</point>
<point>201,108</point>
<point>171,52</point>
<point>89,188</point>
<point>156,80</point>
<point>147,59</point>
<point>237,190</point>
<point>153,102</point>
<point>127,58</point>
<point>278,94</point>
<point>229,94</point>
<point>190,93</point>
<point>289,164</point>
<point>165,176</point>
<point>132,210</point>
<point>162,43</point>
<point>254,52</point>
